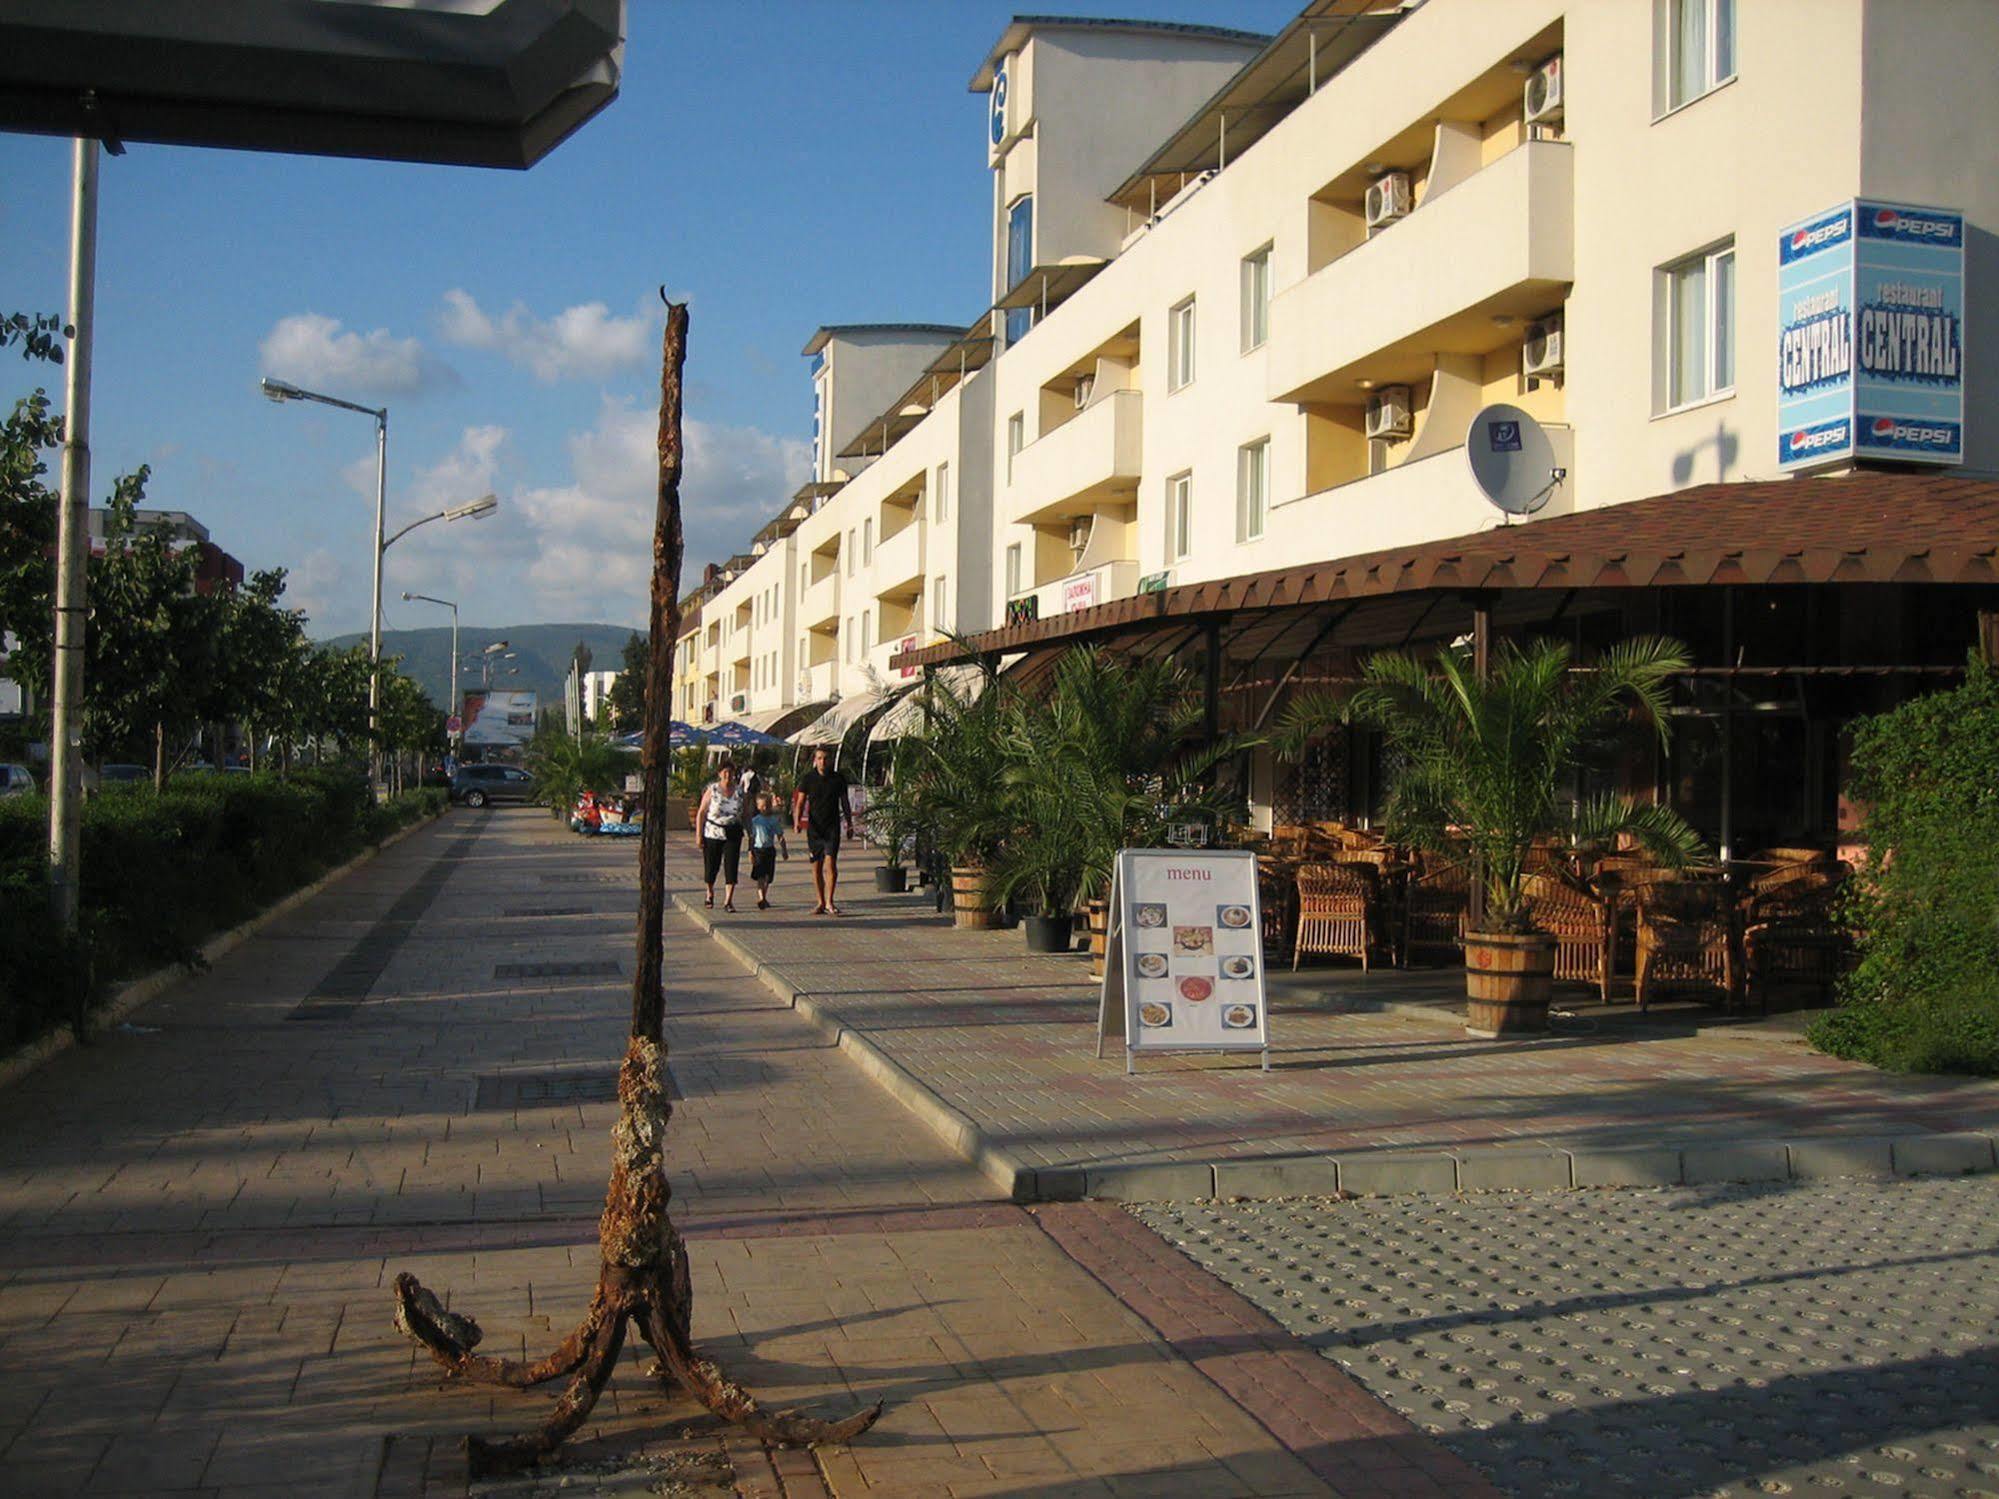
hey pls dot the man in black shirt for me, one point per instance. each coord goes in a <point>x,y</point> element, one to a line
<point>819,806</point>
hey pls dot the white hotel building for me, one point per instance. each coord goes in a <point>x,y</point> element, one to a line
<point>1252,295</point>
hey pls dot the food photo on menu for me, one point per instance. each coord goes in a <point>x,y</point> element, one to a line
<point>1149,914</point>
<point>1239,966</point>
<point>1155,1016</point>
<point>1194,939</point>
<point>1235,918</point>
<point>1239,1017</point>
<point>1150,965</point>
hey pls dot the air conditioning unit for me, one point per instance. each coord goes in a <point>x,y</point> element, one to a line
<point>1388,413</point>
<point>1541,356</point>
<point>1543,93</point>
<point>1086,386</point>
<point>1388,199</point>
<point>739,702</point>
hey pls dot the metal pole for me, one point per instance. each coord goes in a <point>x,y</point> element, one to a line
<point>1481,665</point>
<point>375,618</point>
<point>453,710</point>
<point>1727,846</point>
<point>73,554</point>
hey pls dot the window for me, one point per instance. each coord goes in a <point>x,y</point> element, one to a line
<point>938,612</point>
<point>1252,489</point>
<point>1179,516</point>
<point>1016,439</point>
<point>847,640</point>
<point>867,541</point>
<point>804,576</point>
<point>850,553</point>
<point>1013,570</point>
<point>943,492</point>
<point>1255,299</point>
<point>1697,312</point>
<point>867,627</point>
<point>1180,345</point>
<point>1019,262</point>
<point>1697,51</point>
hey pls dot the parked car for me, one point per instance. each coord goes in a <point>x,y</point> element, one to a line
<point>16,780</point>
<point>476,785</point>
<point>109,775</point>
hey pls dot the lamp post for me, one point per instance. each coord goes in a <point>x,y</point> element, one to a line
<point>281,391</point>
<point>451,708</point>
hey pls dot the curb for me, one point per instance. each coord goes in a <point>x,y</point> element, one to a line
<point>1377,1173</point>
<point>124,998</point>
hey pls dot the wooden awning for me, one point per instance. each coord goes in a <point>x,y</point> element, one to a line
<point>1859,528</point>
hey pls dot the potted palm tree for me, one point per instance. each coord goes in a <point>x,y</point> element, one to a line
<point>1487,768</point>
<point>1101,764</point>
<point>957,770</point>
<point>894,816</point>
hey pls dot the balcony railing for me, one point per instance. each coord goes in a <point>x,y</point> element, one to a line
<point>1498,244</point>
<point>1083,590</point>
<point>1426,500</point>
<point>899,560</point>
<point>820,602</point>
<point>1092,457</point>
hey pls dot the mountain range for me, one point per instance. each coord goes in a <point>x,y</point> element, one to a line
<point>540,661</point>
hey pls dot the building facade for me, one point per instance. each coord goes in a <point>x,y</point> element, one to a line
<point>1257,300</point>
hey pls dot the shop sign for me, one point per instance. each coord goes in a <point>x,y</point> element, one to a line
<point>1870,350</point>
<point>1155,582</point>
<point>1183,962</point>
<point>903,647</point>
<point>1079,593</point>
<point>1024,610</point>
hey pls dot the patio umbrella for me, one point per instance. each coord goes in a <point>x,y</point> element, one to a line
<point>734,733</point>
<point>677,733</point>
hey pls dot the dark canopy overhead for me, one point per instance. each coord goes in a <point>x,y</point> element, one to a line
<point>496,83</point>
<point>1859,528</point>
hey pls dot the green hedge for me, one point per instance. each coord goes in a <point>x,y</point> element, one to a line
<point>163,873</point>
<point>1924,996</point>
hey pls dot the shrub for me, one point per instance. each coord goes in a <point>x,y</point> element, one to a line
<point>163,873</point>
<point>1925,994</point>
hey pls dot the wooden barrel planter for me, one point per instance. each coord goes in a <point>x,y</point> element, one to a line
<point>1100,924</point>
<point>1507,983</point>
<point>971,905</point>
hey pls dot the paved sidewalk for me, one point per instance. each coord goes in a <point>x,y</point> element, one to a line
<point>199,1218</point>
<point>1007,1039</point>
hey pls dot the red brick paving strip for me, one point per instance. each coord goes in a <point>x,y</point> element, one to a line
<point>1332,1425</point>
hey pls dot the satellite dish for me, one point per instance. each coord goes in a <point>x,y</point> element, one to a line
<point>1512,461</point>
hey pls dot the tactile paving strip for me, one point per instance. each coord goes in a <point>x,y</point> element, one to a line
<point>1834,1338</point>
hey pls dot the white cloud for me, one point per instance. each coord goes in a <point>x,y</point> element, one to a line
<point>313,350</point>
<point>593,536</point>
<point>312,584</point>
<point>581,342</point>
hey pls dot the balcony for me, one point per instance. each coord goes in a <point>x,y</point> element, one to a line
<point>1083,590</point>
<point>817,684</point>
<point>820,603</point>
<point>1426,500</point>
<point>899,561</point>
<point>1499,243</point>
<point>1091,458</point>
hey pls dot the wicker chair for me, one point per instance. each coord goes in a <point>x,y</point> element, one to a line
<point>1434,911</point>
<point>1791,932</point>
<point>1277,900</point>
<point>1687,939</point>
<point>1338,912</point>
<point>1584,929</point>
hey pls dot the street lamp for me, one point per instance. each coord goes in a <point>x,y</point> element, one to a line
<point>451,711</point>
<point>281,391</point>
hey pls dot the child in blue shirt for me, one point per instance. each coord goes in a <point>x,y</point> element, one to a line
<point>766,838</point>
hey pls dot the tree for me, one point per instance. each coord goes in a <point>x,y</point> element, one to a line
<point>642,1275</point>
<point>626,700</point>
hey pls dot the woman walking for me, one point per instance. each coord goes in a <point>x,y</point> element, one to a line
<point>720,819</point>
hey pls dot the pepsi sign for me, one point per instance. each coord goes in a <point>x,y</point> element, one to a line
<point>1825,233</point>
<point>1905,439</point>
<point>1870,335</point>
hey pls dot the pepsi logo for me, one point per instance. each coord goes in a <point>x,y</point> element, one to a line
<point>1884,426</point>
<point>1886,218</point>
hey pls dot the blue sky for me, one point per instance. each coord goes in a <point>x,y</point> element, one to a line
<point>778,165</point>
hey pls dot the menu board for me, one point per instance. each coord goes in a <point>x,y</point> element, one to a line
<point>1183,960</point>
